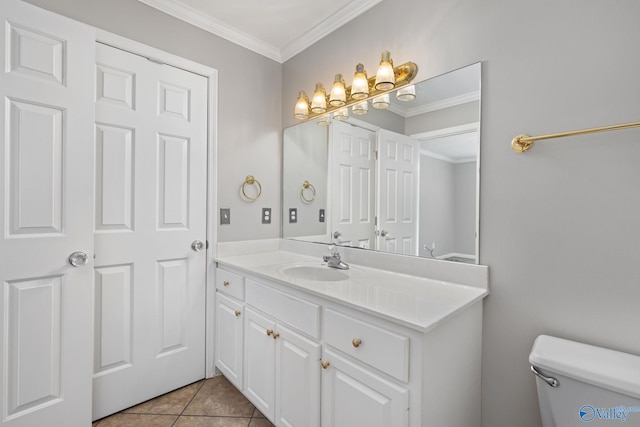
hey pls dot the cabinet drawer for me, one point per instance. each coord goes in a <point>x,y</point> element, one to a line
<point>230,283</point>
<point>298,313</point>
<point>378,347</point>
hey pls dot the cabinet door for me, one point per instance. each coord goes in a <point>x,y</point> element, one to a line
<point>229,338</point>
<point>259,362</point>
<point>297,380</point>
<point>354,396</point>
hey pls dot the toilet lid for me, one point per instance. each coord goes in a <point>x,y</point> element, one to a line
<point>602,367</point>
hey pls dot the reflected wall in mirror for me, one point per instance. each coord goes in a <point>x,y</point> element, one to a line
<point>403,180</point>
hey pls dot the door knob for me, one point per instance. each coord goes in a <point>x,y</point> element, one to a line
<point>384,233</point>
<point>197,245</point>
<point>78,259</point>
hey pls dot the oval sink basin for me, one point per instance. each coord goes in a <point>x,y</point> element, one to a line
<point>317,273</point>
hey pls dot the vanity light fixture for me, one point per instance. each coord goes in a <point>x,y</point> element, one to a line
<point>342,114</point>
<point>360,85</point>
<point>381,102</point>
<point>324,121</point>
<point>319,101</point>
<point>407,93</point>
<point>360,91</point>
<point>360,108</point>
<point>385,77</point>
<point>302,107</point>
<point>338,97</point>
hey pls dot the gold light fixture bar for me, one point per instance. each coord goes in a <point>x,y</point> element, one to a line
<point>522,143</point>
<point>404,74</point>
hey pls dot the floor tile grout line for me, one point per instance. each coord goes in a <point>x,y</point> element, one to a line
<point>202,381</point>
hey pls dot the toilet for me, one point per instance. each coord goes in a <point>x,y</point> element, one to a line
<point>581,384</point>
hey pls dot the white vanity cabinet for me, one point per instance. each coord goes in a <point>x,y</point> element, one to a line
<point>310,360</point>
<point>281,365</point>
<point>353,395</point>
<point>229,336</point>
<point>352,392</point>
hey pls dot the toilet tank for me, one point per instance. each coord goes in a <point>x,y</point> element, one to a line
<point>580,383</point>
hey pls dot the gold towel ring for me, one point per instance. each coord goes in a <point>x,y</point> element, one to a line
<point>250,180</point>
<point>307,186</point>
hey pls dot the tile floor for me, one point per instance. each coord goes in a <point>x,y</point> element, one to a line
<point>207,403</point>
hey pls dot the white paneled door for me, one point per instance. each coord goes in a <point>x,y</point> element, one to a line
<point>398,173</point>
<point>352,185</point>
<point>150,229</point>
<point>46,205</point>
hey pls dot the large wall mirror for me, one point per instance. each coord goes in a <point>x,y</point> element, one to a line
<point>404,179</point>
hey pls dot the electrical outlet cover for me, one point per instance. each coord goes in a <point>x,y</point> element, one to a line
<point>225,216</point>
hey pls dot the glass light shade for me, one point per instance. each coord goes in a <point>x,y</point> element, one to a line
<point>381,102</point>
<point>301,111</point>
<point>338,96</point>
<point>407,93</point>
<point>385,78</point>
<point>324,121</point>
<point>360,108</point>
<point>319,101</point>
<point>360,85</point>
<point>342,114</point>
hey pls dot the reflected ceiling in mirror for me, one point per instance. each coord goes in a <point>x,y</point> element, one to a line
<point>404,179</point>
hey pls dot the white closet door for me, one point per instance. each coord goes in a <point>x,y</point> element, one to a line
<point>46,202</point>
<point>151,160</point>
<point>398,160</point>
<point>352,185</point>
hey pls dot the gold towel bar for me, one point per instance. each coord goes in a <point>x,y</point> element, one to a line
<point>522,143</point>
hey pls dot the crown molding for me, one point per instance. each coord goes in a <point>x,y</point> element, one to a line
<point>324,28</point>
<point>181,11</point>
<point>445,103</point>
<point>190,15</point>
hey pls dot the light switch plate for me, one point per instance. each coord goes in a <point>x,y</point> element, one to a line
<point>225,216</point>
<point>321,215</point>
<point>266,215</point>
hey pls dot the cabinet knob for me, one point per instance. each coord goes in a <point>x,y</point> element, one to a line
<point>325,364</point>
<point>269,332</point>
<point>356,342</point>
<point>238,313</point>
<point>225,283</point>
<point>275,335</point>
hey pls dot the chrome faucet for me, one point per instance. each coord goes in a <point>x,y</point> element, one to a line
<point>333,259</point>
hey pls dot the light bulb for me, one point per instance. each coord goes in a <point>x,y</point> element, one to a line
<point>301,111</point>
<point>319,101</point>
<point>385,78</point>
<point>360,86</point>
<point>338,96</point>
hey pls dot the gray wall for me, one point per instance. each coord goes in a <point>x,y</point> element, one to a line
<point>464,240</point>
<point>444,118</point>
<point>249,129</point>
<point>559,226</point>
<point>437,206</point>
<point>305,158</point>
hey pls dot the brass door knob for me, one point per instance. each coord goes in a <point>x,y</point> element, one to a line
<point>356,342</point>
<point>225,283</point>
<point>269,332</point>
<point>238,313</point>
<point>325,364</point>
<point>275,335</point>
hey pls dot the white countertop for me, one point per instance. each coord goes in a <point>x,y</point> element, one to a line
<point>416,302</point>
